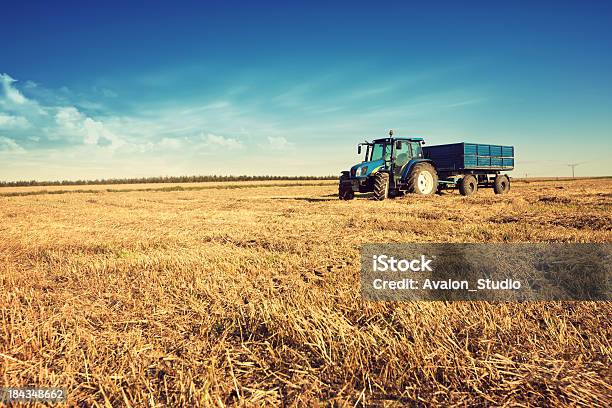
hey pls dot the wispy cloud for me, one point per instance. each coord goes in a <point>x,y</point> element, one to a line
<point>369,92</point>
<point>12,122</point>
<point>279,143</point>
<point>106,92</point>
<point>11,93</point>
<point>220,141</point>
<point>13,101</point>
<point>8,145</point>
<point>296,95</point>
<point>465,102</point>
<point>218,105</point>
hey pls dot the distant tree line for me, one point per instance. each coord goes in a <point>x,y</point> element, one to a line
<point>166,179</point>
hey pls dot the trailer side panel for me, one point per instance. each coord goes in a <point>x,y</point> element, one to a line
<point>470,156</point>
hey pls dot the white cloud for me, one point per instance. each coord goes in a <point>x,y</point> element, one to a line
<point>13,122</point>
<point>279,143</point>
<point>223,141</point>
<point>74,124</point>
<point>13,101</point>
<point>167,143</point>
<point>97,133</point>
<point>12,94</point>
<point>68,118</point>
<point>9,145</point>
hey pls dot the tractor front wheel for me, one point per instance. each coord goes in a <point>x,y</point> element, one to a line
<point>423,179</point>
<point>381,186</point>
<point>468,185</point>
<point>345,192</point>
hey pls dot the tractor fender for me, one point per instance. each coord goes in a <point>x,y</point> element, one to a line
<point>408,167</point>
<point>376,170</point>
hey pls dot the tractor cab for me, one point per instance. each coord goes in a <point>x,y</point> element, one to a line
<point>386,169</point>
<point>389,154</point>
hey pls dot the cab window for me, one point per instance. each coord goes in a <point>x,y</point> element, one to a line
<point>402,155</point>
<point>378,150</point>
<point>417,151</point>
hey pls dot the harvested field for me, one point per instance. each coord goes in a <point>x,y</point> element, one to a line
<point>124,188</point>
<point>250,296</point>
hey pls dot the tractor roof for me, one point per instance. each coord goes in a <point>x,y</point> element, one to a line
<point>388,139</point>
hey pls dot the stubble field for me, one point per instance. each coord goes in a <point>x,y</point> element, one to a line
<point>249,295</point>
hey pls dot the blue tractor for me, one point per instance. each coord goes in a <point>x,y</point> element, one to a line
<point>394,166</point>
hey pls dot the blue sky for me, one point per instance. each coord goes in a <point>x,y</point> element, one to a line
<point>123,90</point>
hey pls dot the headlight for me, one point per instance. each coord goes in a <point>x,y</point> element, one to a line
<point>362,171</point>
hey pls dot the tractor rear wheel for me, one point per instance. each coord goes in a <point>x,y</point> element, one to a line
<point>423,179</point>
<point>468,185</point>
<point>381,186</point>
<point>501,184</point>
<point>344,191</point>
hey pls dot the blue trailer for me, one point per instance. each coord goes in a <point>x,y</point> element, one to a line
<point>482,162</point>
<point>470,156</point>
<point>394,166</point>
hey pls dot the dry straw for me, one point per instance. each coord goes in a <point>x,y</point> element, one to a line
<point>250,296</point>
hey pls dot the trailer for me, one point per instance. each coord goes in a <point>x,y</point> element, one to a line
<point>468,166</point>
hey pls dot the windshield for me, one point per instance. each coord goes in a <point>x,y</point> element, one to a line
<point>378,151</point>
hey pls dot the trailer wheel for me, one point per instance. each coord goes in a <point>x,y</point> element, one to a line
<point>468,185</point>
<point>381,186</point>
<point>501,184</point>
<point>423,179</point>
<point>345,193</point>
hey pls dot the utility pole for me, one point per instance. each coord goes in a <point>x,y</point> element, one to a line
<point>573,166</point>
